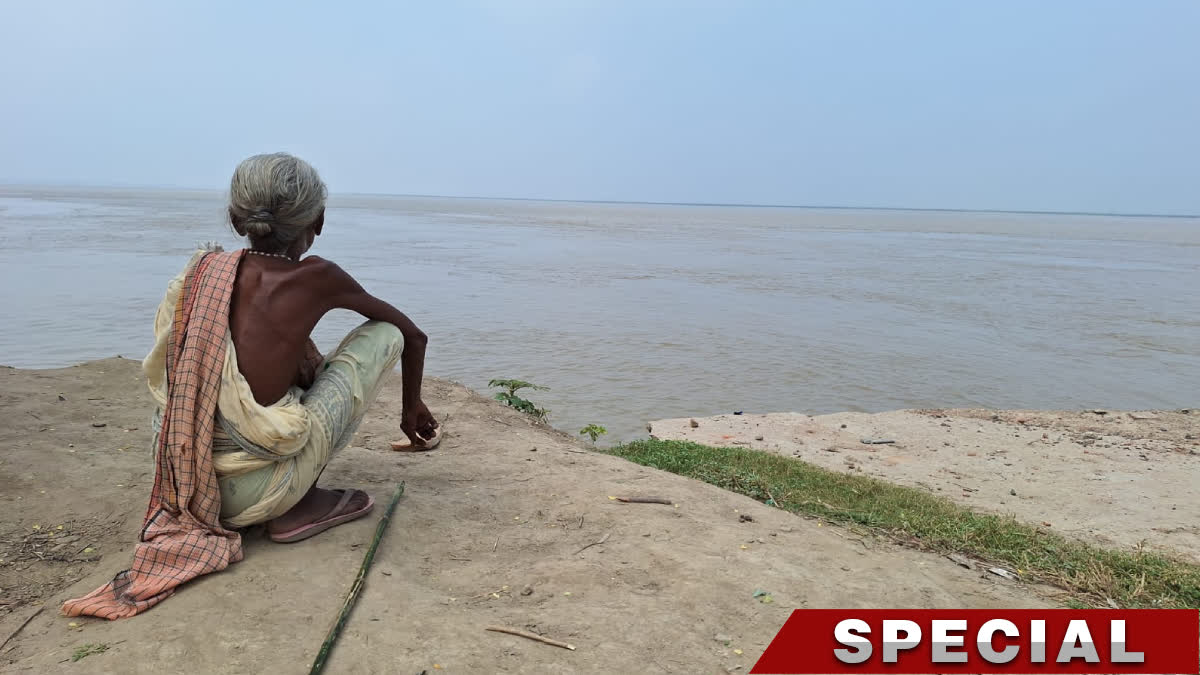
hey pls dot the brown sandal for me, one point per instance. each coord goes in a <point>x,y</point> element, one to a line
<point>332,519</point>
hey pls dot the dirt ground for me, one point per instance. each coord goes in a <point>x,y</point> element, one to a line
<point>492,530</point>
<point>1118,478</point>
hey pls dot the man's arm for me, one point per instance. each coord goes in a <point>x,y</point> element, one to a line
<point>343,292</point>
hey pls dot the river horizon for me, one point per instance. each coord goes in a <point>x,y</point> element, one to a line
<point>632,312</point>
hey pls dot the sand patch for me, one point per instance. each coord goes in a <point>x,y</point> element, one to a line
<point>1116,478</point>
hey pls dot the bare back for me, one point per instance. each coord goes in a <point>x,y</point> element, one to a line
<point>275,306</point>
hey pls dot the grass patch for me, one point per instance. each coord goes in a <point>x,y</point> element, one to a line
<point>1092,575</point>
<point>89,649</point>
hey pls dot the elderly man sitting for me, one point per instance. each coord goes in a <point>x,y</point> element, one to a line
<point>249,412</point>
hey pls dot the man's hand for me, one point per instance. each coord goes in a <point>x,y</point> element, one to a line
<point>417,423</point>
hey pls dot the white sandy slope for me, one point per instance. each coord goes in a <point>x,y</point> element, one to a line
<point>1118,478</point>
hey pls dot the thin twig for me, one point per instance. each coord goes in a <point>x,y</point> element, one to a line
<point>352,596</point>
<point>495,544</point>
<point>489,594</point>
<point>864,544</point>
<point>580,523</point>
<point>595,543</point>
<point>645,500</point>
<point>21,627</point>
<point>530,636</point>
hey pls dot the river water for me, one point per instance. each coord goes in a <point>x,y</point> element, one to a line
<point>631,312</point>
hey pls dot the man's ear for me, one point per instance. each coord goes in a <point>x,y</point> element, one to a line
<point>237,226</point>
<point>319,224</point>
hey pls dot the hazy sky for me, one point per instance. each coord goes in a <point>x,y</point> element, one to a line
<point>1059,105</point>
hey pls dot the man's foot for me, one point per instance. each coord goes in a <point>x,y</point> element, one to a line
<point>317,511</point>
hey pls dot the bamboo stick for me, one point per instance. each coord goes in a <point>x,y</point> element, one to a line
<point>352,597</point>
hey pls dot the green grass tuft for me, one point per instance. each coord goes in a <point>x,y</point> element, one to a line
<point>1090,574</point>
<point>89,649</point>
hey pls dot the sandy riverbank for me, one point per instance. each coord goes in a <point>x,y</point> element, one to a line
<point>485,517</point>
<point>1116,478</point>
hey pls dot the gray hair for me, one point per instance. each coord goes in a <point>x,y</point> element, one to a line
<point>274,198</point>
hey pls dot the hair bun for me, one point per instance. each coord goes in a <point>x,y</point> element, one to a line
<point>259,222</point>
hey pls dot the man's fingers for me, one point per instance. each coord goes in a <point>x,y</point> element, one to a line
<point>420,428</point>
<point>418,432</point>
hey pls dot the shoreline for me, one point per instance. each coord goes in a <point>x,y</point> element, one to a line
<point>494,529</point>
<point>508,522</point>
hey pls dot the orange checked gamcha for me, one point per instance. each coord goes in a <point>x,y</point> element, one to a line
<point>182,537</point>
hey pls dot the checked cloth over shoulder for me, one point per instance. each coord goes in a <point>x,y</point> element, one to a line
<point>182,537</point>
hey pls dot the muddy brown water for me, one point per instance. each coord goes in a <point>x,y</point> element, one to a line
<point>632,312</point>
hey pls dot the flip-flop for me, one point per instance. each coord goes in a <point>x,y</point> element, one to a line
<point>407,445</point>
<point>336,518</point>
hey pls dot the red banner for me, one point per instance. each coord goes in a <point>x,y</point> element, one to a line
<point>985,641</point>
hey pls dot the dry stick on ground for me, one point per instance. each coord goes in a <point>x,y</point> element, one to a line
<point>853,539</point>
<point>498,591</point>
<point>530,636</point>
<point>21,627</point>
<point>645,500</point>
<point>595,543</point>
<point>351,597</point>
